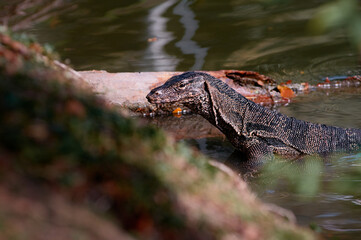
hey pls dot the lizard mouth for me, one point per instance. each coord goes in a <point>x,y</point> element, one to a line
<point>160,101</point>
<point>154,99</point>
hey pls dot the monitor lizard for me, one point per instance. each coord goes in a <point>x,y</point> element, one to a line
<point>251,128</point>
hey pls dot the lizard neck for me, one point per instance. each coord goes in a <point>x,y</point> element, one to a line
<point>202,106</point>
<point>224,108</point>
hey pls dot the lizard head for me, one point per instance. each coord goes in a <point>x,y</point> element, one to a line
<point>187,88</point>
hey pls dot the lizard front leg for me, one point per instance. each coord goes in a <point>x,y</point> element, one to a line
<point>279,146</point>
<point>257,150</point>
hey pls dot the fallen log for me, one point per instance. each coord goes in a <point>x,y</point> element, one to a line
<point>129,89</point>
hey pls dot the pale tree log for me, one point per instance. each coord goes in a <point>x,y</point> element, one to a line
<point>129,89</point>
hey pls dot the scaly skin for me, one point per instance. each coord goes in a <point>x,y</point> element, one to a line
<point>251,128</point>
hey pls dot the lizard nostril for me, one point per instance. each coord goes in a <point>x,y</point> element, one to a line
<point>152,95</point>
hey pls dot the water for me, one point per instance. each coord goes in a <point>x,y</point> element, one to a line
<point>181,35</point>
<point>195,35</point>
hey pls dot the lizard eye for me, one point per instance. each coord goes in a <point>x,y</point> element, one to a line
<point>182,85</point>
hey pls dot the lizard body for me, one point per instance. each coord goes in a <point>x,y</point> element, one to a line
<point>251,128</point>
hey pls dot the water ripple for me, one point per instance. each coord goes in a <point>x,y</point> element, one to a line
<point>342,225</point>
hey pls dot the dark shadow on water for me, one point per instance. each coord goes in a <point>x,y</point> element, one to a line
<point>238,162</point>
<point>222,151</point>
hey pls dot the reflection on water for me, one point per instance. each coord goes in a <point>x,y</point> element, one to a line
<point>186,44</point>
<point>204,35</point>
<point>158,30</point>
<point>162,35</point>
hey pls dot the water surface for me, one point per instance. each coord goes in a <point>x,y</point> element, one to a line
<point>185,35</point>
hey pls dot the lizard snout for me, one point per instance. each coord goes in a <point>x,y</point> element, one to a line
<point>154,95</point>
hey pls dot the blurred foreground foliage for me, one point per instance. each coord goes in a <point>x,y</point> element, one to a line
<point>339,14</point>
<point>333,15</point>
<point>348,180</point>
<point>308,176</point>
<point>57,136</point>
<point>301,176</point>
